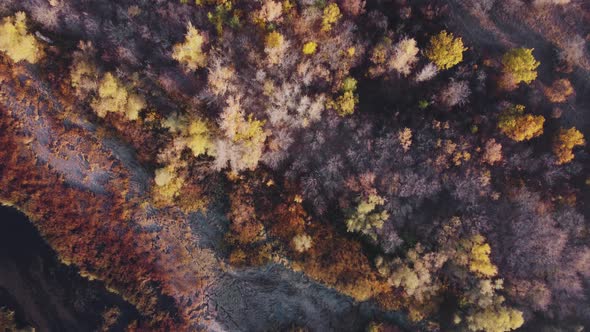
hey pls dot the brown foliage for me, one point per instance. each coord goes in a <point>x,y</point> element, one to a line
<point>101,233</point>
<point>291,220</point>
<point>559,91</point>
<point>342,264</point>
<point>245,228</point>
<point>492,152</point>
<point>333,260</point>
<point>352,7</point>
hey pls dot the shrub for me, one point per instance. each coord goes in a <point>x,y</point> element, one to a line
<point>520,65</point>
<point>445,50</point>
<point>565,142</point>
<point>331,15</point>
<point>190,53</point>
<point>16,42</point>
<point>519,126</point>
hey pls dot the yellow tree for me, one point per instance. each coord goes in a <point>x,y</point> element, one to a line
<point>565,142</point>
<point>199,138</point>
<point>16,42</point>
<point>480,257</point>
<point>519,126</point>
<point>445,50</point>
<point>520,65</point>
<point>244,139</point>
<point>364,219</point>
<point>168,185</point>
<point>345,103</point>
<point>190,53</point>
<point>273,40</point>
<point>113,96</point>
<point>275,46</point>
<point>495,319</point>
<point>309,48</point>
<point>331,15</point>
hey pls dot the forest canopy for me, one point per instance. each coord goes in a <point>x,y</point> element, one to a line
<point>373,151</point>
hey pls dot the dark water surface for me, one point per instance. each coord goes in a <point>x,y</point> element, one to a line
<point>45,293</point>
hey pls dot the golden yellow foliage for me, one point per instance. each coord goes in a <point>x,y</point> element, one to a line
<point>495,319</point>
<point>273,40</point>
<point>275,47</point>
<point>521,65</point>
<point>246,135</point>
<point>250,131</point>
<point>190,53</point>
<point>309,48</point>
<point>364,219</point>
<point>331,15</point>
<point>168,184</point>
<point>519,126</point>
<point>445,50</point>
<point>135,103</point>
<point>16,42</point>
<point>480,258</point>
<point>350,52</point>
<point>345,103</point>
<point>565,142</point>
<point>113,96</point>
<point>199,139</point>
